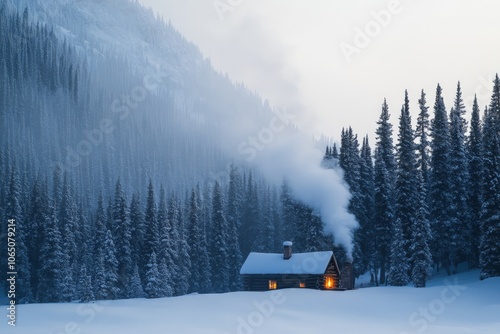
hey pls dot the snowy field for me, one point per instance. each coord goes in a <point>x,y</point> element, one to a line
<point>455,305</point>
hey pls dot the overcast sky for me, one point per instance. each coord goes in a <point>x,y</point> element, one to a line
<point>333,61</point>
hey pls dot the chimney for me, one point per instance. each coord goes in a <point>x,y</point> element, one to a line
<point>347,276</point>
<point>287,250</point>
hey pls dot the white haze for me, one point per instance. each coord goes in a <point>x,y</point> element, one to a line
<point>295,158</point>
<point>275,147</point>
<point>289,52</point>
<point>270,142</point>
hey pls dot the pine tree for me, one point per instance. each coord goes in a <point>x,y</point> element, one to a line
<point>398,274</point>
<point>289,229</point>
<point>384,188</point>
<point>314,239</point>
<point>234,207</point>
<point>489,258</point>
<point>165,279</point>
<point>406,183</point>
<point>218,247</point>
<point>122,236</point>
<point>440,198</point>
<point>422,133</point>
<point>249,229</point>
<point>137,229</point>
<point>68,284</point>
<point>265,240</point>
<point>350,162</point>
<point>68,225</point>
<point>51,270</point>
<point>385,143</point>
<point>110,267</point>
<point>153,287</point>
<point>476,174</point>
<point>181,254</point>
<point>98,241</point>
<point>84,289</point>
<point>136,290</point>
<point>335,152</point>
<point>167,265</point>
<point>459,178</point>
<point>420,253</point>
<point>57,186</point>
<point>198,252</point>
<point>364,236</point>
<point>23,267</point>
<point>38,213</point>
<point>151,237</point>
<point>100,284</point>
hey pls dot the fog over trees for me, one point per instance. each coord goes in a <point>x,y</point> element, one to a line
<point>121,188</point>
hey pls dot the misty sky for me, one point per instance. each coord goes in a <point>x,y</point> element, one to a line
<point>333,62</point>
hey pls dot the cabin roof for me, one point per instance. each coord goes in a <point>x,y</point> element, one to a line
<point>313,263</point>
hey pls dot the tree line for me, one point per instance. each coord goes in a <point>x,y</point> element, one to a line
<point>160,246</point>
<point>431,199</point>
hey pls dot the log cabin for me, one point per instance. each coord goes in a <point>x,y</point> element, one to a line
<point>313,270</point>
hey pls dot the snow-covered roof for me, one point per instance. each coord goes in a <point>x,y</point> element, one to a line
<point>314,263</point>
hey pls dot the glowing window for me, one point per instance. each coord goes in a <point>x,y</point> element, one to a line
<point>302,284</point>
<point>273,285</point>
<point>329,282</point>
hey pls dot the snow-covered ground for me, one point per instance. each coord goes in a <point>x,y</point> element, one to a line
<point>456,304</point>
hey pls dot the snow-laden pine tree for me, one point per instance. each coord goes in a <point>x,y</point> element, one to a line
<point>219,260</point>
<point>154,285</point>
<point>38,214</point>
<point>181,254</point>
<point>99,232</point>
<point>419,251</point>
<point>24,293</point>
<point>122,237</point>
<point>350,162</point>
<point>166,279</point>
<point>249,228</point>
<point>50,274</point>
<point>398,272</point>
<point>440,193</point>
<point>289,229</point>
<point>364,235</point>
<point>198,252</point>
<point>234,207</point>
<point>110,268</point>
<point>84,291</point>
<point>68,283</point>
<point>476,174</point>
<point>70,231</point>
<point>137,230</point>
<point>152,232</point>
<point>385,168</point>
<point>459,178</point>
<point>489,256</point>
<point>167,265</point>
<point>184,261</point>
<point>265,240</point>
<point>422,133</point>
<point>136,290</point>
<point>57,186</point>
<point>406,183</point>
